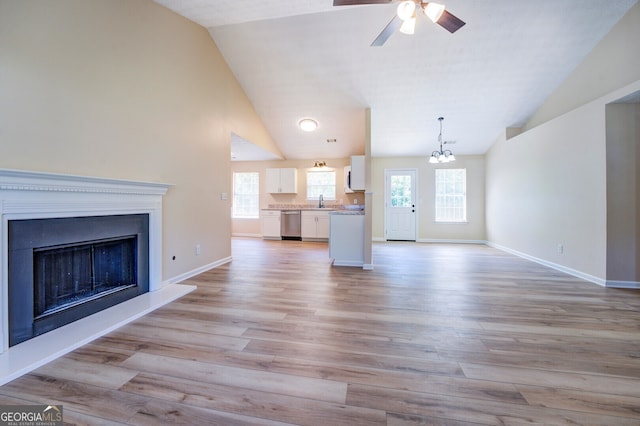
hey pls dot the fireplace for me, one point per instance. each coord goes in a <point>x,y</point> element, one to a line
<point>64,269</point>
<point>62,221</point>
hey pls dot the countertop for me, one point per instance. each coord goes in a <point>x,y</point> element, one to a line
<point>347,212</point>
<point>328,209</point>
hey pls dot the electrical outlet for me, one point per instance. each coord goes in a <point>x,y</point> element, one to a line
<point>224,196</point>
<point>197,249</point>
<point>560,248</point>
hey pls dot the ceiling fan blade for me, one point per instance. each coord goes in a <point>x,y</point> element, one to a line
<point>356,2</point>
<point>391,28</point>
<point>450,22</point>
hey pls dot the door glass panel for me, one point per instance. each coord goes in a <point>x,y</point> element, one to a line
<point>400,191</point>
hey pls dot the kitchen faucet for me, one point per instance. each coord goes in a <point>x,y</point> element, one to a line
<point>320,201</point>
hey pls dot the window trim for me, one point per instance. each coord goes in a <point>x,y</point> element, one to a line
<point>326,198</point>
<point>253,215</point>
<point>465,219</point>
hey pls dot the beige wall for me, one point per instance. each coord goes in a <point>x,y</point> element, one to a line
<point>126,89</point>
<point>623,189</point>
<point>251,227</point>
<point>428,229</point>
<point>547,186</point>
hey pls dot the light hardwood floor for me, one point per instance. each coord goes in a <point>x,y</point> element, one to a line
<point>436,334</point>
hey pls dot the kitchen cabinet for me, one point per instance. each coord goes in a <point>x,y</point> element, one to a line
<point>282,181</point>
<point>346,239</point>
<point>314,225</point>
<point>357,173</point>
<point>270,221</point>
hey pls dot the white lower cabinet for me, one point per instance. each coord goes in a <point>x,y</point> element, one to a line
<point>270,221</point>
<point>314,225</point>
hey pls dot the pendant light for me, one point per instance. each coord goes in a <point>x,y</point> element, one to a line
<point>442,156</point>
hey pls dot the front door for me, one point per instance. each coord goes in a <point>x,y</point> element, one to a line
<point>400,204</point>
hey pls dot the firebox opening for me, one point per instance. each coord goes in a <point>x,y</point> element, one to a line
<point>71,274</point>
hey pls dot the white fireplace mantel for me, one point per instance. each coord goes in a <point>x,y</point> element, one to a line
<point>36,195</point>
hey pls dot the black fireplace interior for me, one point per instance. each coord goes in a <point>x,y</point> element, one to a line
<point>75,273</point>
<point>64,269</point>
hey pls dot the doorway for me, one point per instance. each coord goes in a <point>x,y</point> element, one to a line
<point>400,204</point>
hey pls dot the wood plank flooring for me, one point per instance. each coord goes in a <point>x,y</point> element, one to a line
<point>434,335</point>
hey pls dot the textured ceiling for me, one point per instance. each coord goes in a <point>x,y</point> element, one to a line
<point>298,59</point>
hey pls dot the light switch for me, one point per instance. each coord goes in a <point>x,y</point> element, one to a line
<point>223,196</point>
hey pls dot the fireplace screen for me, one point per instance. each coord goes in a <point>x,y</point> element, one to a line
<point>67,275</point>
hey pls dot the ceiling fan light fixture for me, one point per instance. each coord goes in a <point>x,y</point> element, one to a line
<point>434,11</point>
<point>408,26</point>
<point>308,124</point>
<point>406,10</point>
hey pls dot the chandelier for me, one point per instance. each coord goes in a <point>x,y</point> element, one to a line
<point>442,156</point>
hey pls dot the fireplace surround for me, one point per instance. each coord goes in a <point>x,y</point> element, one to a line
<point>26,195</point>
<point>64,269</point>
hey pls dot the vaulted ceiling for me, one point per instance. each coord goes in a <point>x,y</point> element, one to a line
<point>307,58</point>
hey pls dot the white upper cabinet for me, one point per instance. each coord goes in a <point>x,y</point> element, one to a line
<point>282,181</point>
<point>356,181</point>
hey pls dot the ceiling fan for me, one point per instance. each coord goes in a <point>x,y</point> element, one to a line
<point>405,18</point>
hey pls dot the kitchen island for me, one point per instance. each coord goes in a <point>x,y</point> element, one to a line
<point>346,238</point>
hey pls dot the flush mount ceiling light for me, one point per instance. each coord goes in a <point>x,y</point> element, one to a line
<point>308,124</point>
<point>442,156</point>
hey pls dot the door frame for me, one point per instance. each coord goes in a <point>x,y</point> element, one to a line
<point>387,174</point>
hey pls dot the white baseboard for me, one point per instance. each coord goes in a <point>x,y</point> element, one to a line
<point>241,234</point>
<point>368,266</point>
<point>435,240</point>
<point>196,271</point>
<point>450,241</point>
<point>348,263</point>
<point>623,284</point>
<point>561,268</point>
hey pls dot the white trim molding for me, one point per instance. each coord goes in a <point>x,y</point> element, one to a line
<point>561,268</point>
<point>623,284</point>
<point>246,235</point>
<point>451,241</point>
<point>197,271</point>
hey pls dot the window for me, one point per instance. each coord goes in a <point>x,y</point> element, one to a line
<point>401,191</point>
<point>451,195</point>
<point>246,195</point>
<point>321,183</point>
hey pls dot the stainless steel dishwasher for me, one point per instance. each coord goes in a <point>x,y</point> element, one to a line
<point>290,224</point>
